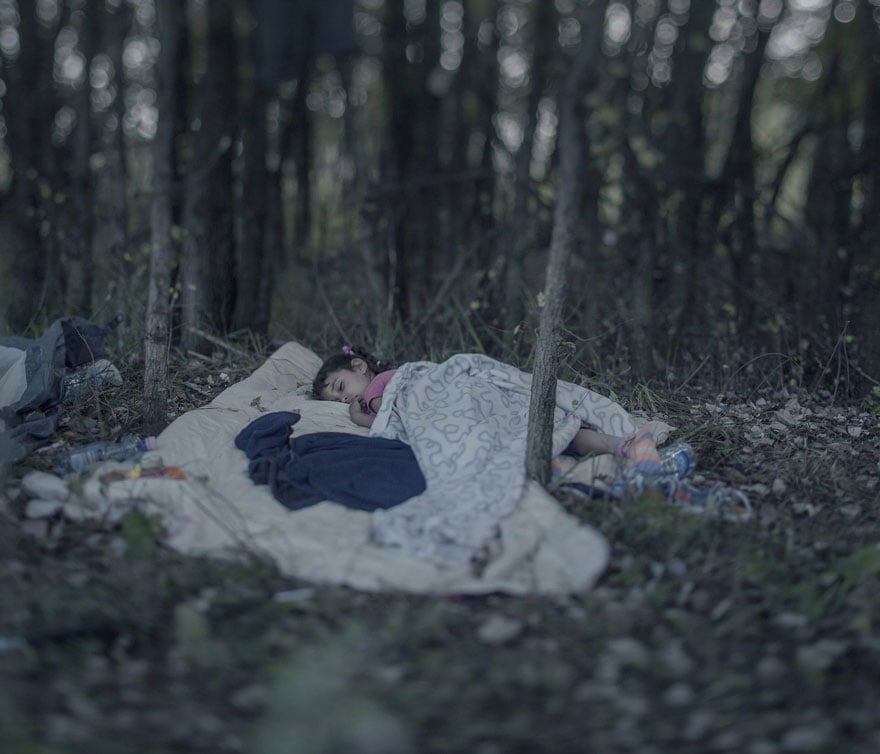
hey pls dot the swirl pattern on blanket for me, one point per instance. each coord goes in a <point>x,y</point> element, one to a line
<point>466,421</point>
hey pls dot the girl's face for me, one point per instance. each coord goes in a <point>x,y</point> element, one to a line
<point>347,385</point>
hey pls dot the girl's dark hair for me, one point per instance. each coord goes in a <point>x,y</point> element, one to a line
<point>343,361</point>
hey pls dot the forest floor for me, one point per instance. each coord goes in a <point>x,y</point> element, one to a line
<point>760,637</point>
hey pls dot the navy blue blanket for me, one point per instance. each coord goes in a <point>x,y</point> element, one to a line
<point>365,473</point>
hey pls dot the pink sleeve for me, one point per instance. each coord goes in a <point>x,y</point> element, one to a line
<point>377,387</point>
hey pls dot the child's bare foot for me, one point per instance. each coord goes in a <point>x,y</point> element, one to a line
<point>641,449</point>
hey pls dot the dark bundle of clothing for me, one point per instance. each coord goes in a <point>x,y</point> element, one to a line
<point>365,473</point>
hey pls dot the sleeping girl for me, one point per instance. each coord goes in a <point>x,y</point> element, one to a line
<point>354,377</point>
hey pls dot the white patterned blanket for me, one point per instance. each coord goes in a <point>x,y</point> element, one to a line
<point>466,422</point>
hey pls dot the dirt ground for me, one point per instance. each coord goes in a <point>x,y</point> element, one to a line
<point>702,636</point>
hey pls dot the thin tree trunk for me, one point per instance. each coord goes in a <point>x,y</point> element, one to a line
<point>464,84</point>
<point>119,245</point>
<point>51,169</point>
<point>252,213</point>
<point>356,176</point>
<point>519,241</point>
<point>207,258</point>
<point>685,157</point>
<point>398,148</point>
<point>302,128</point>
<point>828,208</point>
<point>573,150</point>
<point>424,231</point>
<point>79,237</point>
<point>410,146</point>
<point>644,231</point>
<point>486,90</point>
<point>869,228</point>
<point>28,102</point>
<point>487,253</point>
<point>161,210</point>
<point>739,168</point>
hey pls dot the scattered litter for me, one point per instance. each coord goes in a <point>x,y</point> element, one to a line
<point>144,471</point>
<point>80,458</point>
<point>88,378</point>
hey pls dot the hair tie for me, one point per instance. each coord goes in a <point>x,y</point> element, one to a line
<point>347,350</point>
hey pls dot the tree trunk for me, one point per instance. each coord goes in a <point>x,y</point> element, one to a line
<point>573,149</point>
<point>161,220</point>
<point>208,248</point>
<point>301,124</point>
<point>829,194</point>
<point>252,215</point>
<point>410,146</point>
<point>410,152</point>
<point>119,246</point>
<point>355,175</point>
<point>739,170</point>
<point>869,227</point>
<point>423,231</point>
<point>643,231</point>
<point>79,232</point>
<point>519,241</point>
<point>27,106</point>
<point>486,90</point>
<point>684,161</point>
<point>398,148</point>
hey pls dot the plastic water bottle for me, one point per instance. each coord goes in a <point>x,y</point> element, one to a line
<point>89,377</point>
<point>79,459</point>
<point>677,460</point>
<point>629,483</point>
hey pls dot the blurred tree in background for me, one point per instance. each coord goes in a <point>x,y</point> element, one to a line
<point>385,172</point>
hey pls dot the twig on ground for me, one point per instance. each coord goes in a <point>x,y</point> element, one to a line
<point>196,388</point>
<point>197,355</point>
<point>220,342</point>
